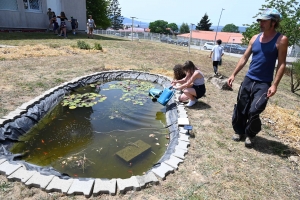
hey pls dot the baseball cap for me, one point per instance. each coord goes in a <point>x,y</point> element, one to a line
<point>269,13</point>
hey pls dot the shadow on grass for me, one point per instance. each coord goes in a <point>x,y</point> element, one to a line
<point>200,105</point>
<point>45,36</point>
<point>272,147</point>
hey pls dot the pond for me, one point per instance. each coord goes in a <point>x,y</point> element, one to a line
<point>103,130</point>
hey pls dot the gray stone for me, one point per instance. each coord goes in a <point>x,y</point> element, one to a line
<point>7,168</point>
<point>2,160</point>
<point>81,187</point>
<point>183,150</point>
<point>39,180</point>
<point>183,121</point>
<point>146,179</point>
<point>181,109</point>
<point>163,170</point>
<point>179,153</point>
<point>4,121</point>
<point>59,185</point>
<point>105,186</point>
<point>182,115</point>
<point>182,130</point>
<point>184,137</point>
<point>174,162</point>
<point>183,144</point>
<point>128,184</point>
<point>21,175</point>
<point>220,83</point>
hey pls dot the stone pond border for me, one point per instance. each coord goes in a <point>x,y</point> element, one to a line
<point>95,186</point>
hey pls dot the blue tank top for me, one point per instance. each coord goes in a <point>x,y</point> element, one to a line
<point>264,56</point>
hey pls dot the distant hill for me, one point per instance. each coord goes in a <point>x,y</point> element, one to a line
<point>137,22</point>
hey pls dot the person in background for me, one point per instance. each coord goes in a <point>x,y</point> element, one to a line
<point>74,24</point>
<point>91,24</point>
<point>55,23</point>
<point>217,53</point>
<point>63,25</point>
<point>258,85</point>
<point>49,14</point>
<point>192,85</point>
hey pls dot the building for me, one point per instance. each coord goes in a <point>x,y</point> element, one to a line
<point>209,36</point>
<point>32,14</point>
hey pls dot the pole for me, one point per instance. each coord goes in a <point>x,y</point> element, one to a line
<point>218,25</point>
<point>190,36</point>
<point>132,28</point>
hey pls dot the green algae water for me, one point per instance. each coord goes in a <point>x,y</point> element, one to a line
<point>84,135</point>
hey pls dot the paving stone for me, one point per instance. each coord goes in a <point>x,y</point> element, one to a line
<point>183,144</point>
<point>182,115</point>
<point>21,174</point>
<point>179,153</point>
<point>59,185</point>
<point>184,150</point>
<point>7,168</point>
<point>184,137</point>
<point>183,121</point>
<point>174,162</point>
<point>182,130</point>
<point>2,160</point>
<point>39,180</point>
<point>163,170</point>
<point>146,179</point>
<point>181,109</point>
<point>4,121</point>
<point>81,186</point>
<point>105,186</point>
<point>128,184</point>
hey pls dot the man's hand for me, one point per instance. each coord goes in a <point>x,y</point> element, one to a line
<point>230,81</point>
<point>271,91</point>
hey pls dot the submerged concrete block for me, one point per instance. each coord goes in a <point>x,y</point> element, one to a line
<point>7,168</point>
<point>163,170</point>
<point>39,180</point>
<point>133,150</point>
<point>59,185</point>
<point>105,186</point>
<point>21,175</point>
<point>174,162</point>
<point>81,187</point>
<point>125,185</point>
<point>146,179</point>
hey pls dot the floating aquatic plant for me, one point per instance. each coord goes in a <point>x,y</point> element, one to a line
<point>82,100</point>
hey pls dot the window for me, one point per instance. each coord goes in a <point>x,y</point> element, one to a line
<point>32,5</point>
<point>8,5</point>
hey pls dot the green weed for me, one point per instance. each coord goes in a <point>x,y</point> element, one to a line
<point>83,45</point>
<point>98,46</point>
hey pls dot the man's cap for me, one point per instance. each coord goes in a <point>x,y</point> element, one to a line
<point>270,13</point>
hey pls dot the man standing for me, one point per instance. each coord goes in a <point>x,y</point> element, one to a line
<point>217,53</point>
<point>74,24</point>
<point>257,87</point>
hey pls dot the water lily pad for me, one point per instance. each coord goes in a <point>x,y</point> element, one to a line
<point>72,107</point>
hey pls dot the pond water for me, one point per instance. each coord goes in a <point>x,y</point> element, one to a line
<point>83,134</point>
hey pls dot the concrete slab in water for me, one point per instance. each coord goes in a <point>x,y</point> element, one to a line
<point>133,150</point>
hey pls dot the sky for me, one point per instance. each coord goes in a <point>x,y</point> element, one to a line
<point>238,12</point>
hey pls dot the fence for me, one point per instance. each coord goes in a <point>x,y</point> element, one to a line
<point>157,37</point>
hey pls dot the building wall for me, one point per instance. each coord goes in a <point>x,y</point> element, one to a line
<point>24,19</point>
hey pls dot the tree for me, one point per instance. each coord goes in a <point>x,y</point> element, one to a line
<point>289,25</point>
<point>204,24</point>
<point>173,27</point>
<point>184,28</point>
<point>114,14</point>
<point>99,10</point>
<point>159,26</point>
<point>230,28</point>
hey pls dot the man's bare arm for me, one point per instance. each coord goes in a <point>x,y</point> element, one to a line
<point>282,52</point>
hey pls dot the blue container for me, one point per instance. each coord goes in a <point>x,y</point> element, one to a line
<point>165,96</point>
<point>155,93</point>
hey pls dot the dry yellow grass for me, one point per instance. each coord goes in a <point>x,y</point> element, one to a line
<point>215,167</point>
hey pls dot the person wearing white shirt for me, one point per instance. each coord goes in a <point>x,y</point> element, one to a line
<point>217,52</point>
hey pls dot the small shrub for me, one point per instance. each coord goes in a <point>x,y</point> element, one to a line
<point>83,45</point>
<point>98,46</point>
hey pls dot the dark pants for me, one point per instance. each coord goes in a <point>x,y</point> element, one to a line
<point>251,101</point>
<point>215,66</point>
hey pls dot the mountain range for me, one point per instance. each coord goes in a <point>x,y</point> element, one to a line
<point>137,23</point>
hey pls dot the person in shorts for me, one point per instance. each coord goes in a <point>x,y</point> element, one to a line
<point>91,25</point>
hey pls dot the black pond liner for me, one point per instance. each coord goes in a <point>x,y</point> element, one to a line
<point>29,114</point>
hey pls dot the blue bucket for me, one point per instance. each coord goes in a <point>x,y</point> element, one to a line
<point>155,93</point>
<point>165,96</point>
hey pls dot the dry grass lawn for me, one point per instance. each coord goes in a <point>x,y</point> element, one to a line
<point>215,167</point>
